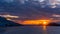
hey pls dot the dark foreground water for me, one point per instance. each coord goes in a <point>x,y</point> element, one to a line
<point>30,30</point>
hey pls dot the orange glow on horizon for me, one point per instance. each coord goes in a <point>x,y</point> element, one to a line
<point>36,22</point>
<point>44,23</point>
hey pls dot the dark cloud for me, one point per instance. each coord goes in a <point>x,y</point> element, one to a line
<point>28,10</point>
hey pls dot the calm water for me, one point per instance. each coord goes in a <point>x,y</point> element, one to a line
<point>30,30</point>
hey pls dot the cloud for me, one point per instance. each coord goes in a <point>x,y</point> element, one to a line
<point>27,11</point>
<point>9,1</point>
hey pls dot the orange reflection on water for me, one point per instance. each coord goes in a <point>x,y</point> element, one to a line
<point>44,29</point>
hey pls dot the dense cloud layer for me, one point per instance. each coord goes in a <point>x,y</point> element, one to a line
<point>29,10</point>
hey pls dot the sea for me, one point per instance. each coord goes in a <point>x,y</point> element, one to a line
<point>30,30</point>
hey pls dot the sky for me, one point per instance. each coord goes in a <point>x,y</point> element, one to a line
<point>27,11</point>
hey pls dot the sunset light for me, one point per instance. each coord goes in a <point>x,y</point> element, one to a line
<point>45,23</point>
<point>36,22</point>
<point>29,16</point>
<point>9,17</point>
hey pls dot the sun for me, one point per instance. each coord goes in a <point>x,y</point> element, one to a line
<point>44,22</point>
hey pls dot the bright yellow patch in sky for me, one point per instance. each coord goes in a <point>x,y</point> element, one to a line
<point>36,22</point>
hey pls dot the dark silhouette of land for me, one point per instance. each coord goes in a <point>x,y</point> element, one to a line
<point>53,24</point>
<point>4,22</point>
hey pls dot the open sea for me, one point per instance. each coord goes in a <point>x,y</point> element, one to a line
<point>30,30</point>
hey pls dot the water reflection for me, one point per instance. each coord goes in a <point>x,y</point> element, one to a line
<point>44,29</point>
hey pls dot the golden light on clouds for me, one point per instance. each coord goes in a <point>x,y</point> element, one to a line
<point>36,22</point>
<point>9,17</point>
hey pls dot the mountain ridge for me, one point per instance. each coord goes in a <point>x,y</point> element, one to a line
<point>5,23</point>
